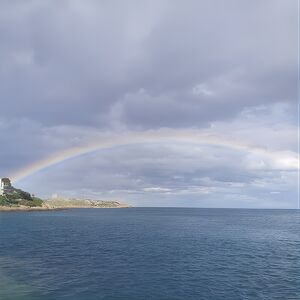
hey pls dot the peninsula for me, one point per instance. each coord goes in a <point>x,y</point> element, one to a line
<point>13,199</point>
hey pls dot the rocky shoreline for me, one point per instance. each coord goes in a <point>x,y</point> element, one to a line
<point>62,204</point>
<point>26,208</point>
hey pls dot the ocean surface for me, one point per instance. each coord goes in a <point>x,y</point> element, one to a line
<point>150,253</point>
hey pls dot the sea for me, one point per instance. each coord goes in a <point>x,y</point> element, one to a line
<point>150,253</point>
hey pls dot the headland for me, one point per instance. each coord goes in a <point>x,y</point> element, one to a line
<point>13,199</point>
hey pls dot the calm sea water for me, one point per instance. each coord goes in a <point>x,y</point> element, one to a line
<point>150,253</point>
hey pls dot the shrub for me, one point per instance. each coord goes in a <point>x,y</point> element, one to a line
<point>3,201</point>
<point>37,201</point>
<point>19,197</point>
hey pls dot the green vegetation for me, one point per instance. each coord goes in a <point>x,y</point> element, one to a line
<point>18,194</point>
<point>3,201</point>
<point>37,202</point>
<point>18,197</point>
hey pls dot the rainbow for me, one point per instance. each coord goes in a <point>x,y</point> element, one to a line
<point>286,159</point>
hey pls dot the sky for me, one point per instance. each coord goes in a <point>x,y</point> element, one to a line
<point>77,73</point>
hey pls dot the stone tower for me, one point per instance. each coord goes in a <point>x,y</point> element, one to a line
<point>5,186</point>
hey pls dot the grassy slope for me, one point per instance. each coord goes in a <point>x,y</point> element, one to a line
<point>20,198</point>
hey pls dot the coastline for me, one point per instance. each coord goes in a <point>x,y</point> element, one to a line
<point>62,204</point>
<point>30,209</point>
<point>53,208</point>
<point>26,208</point>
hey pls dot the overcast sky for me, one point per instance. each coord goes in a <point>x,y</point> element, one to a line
<point>72,72</point>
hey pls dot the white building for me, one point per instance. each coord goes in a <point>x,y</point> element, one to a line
<point>5,185</point>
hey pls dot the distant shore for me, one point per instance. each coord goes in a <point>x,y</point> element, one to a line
<point>62,204</point>
<point>26,208</point>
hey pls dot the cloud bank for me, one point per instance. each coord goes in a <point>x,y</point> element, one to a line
<point>76,72</point>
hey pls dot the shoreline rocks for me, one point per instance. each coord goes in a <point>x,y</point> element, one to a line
<point>61,204</point>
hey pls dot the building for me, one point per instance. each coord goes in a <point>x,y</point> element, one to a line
<point>5,186</point>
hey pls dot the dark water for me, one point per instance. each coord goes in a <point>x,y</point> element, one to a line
<point>150,253</point>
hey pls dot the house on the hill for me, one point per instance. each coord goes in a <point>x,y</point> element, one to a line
<point>5,186</point>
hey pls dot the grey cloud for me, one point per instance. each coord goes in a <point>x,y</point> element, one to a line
<point>70,62</point>
<point>72,72</point>
<point>162,171</point>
